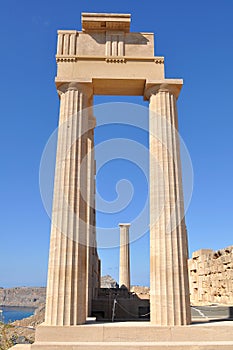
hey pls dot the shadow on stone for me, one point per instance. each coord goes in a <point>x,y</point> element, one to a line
<point>119,304</point>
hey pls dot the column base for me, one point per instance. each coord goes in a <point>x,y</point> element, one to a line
<point>133,336</point>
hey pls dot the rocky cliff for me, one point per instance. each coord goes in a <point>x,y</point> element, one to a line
<point>22,296</point>
<point>108,282</point>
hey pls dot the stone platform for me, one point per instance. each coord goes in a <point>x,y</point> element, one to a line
<point>133,336</point>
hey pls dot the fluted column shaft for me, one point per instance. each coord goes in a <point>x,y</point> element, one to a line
<point>169,287</point>
<point>66,288</point>
<point>124,275</point>
<point>91,232</point>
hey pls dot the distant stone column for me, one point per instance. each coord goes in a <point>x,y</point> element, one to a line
<point>66,287</point>
<point>124,278</point>
<point>169,286</point>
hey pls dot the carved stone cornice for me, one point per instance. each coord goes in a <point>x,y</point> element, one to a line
<point>66,59</point>
<point>115,60</point>
<point>159,60</point>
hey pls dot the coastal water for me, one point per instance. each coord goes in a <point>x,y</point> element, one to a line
<point>13,313</point>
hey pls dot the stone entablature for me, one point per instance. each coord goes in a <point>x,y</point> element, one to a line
<point>72,42</point>
<point>106,50</point>
<point>105,35</point>
<point>211,276</point>
<point>106,21</point>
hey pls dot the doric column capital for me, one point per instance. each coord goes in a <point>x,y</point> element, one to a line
<point>171,87</point>
<point>124,225</point>
<point>85,88</point>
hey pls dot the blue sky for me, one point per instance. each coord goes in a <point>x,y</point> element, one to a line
<point>196,40</point>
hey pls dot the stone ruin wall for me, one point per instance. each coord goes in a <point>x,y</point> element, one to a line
<point>211,276</point>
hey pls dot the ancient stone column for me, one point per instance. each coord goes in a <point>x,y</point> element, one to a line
<point>66,288</point>
<point>169,286</point>
<point>91,232</point>
<point>124,275</point>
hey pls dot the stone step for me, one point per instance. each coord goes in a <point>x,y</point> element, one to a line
<point>223,345</point>
<point>208,345</point>
<point>133,336</point>
<point>135,332</point>
<point>21,347</point>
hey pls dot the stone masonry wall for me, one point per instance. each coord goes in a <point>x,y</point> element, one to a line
<point>211,276</point>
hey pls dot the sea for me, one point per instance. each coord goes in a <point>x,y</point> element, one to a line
<point>13,313</point>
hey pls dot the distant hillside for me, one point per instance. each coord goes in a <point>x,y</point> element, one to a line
<point>22,296</point>
<point>35,296</point>
<point>108,282</point>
